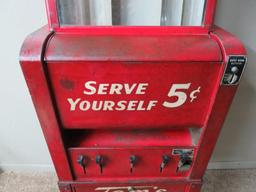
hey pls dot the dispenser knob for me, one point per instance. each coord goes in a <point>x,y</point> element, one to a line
<point>99,161</point>
<point>165,161</point>
<point>81,161</point>
<point>133,160</point>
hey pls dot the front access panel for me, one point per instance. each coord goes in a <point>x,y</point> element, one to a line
<point>133,94</point>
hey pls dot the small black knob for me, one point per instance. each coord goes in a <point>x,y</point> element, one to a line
<point>165,161</point>
<point>99,161</point>
<point>81,161</point>
<point>133,160</point>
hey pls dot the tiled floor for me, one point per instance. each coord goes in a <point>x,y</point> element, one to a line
<point>214,181</point>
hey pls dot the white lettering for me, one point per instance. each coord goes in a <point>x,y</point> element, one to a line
<point>84,105</point>
<point>128,89</point>
<point>108,105</point>
<point>103,89</point>
<point>151,105</point>
<point>121,105</point>
<point>91,88</point>
<point>132,106</point>
<point>140,106</point>
<point>177,95</point>
<point>116,89</point>
<point>132,189</point>
<point>73,103</point>
<point>161,190</point>
<point>95,107</point>
<point>141,88</point>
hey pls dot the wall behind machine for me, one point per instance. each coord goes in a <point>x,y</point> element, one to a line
<point>21,141</point>
<point>22,145</point>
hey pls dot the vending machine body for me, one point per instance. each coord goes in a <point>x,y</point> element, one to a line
<point>131,108</point>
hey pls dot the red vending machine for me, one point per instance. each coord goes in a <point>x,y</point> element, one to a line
<point>131,94</point>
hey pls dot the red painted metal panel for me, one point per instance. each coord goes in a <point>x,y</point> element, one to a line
<point>209,13</point>
<point>134,138</point>
<point>175,47</point>
<point>194,187</point>
<point>229,43</point>
<point>35,76</point>
<point>52,14</point>
<point>126,187</point>
<point>230,46</point>
<point>133,30</point>
<point>69,85</point>
<point>211,133</point>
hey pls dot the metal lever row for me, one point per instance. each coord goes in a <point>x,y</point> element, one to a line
<point>185,162</point>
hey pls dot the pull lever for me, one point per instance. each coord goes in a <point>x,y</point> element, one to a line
<point>165,161</point>
<point>81,162</point>
<point>132,162</point>
<point>99,161</point>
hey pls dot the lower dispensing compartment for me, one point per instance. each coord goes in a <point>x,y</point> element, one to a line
<point>131,154</point>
